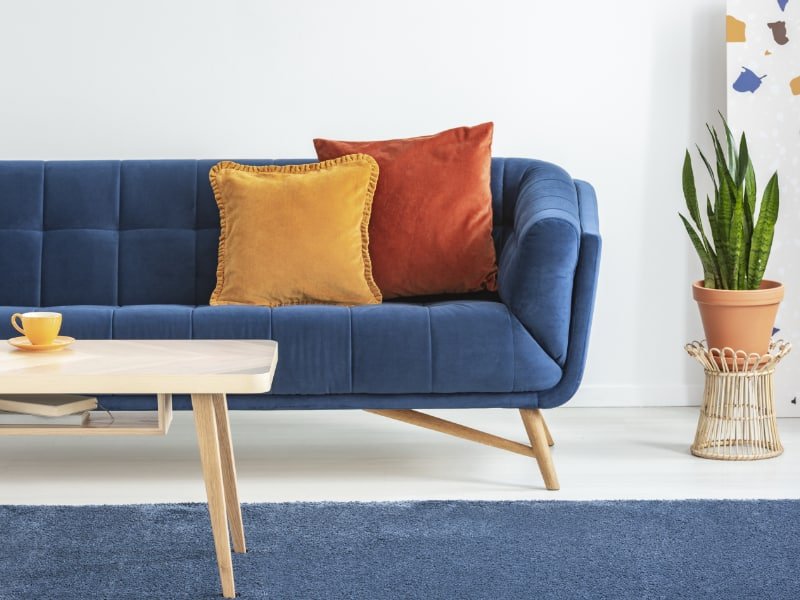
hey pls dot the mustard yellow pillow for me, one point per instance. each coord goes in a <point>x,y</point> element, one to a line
<point>296,234</point>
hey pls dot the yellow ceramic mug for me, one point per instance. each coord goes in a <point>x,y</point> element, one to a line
<point>41,328</point>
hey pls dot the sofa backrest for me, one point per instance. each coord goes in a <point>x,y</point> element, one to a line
<point>128,232</point>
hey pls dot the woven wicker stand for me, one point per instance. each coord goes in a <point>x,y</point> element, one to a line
<point>737,419</point>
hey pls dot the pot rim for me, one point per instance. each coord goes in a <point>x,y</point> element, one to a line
<point>770,292</point>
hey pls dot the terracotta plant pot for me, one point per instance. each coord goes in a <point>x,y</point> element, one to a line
<point>739,319</point>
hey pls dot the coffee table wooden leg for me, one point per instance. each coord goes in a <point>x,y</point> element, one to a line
<point>229,473</point>
<point>206,425</point>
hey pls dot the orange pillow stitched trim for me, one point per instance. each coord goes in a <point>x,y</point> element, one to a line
<point>431,224</point>
<point>295,234</point>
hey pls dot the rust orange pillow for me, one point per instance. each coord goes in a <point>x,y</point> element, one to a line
<point>431,226</point>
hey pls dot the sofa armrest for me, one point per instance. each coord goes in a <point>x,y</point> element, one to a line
<point>583,296</point>
<point>537,266</point>
<point>549,266</point>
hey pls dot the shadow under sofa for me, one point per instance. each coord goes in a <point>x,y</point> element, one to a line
<point>128,250</point>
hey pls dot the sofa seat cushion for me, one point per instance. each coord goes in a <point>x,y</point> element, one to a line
<point>463,346</point>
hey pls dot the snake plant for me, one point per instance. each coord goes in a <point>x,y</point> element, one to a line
<point>736,255</point>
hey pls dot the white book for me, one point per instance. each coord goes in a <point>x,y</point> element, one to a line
<point>50,405</point>
<point>9,418</point>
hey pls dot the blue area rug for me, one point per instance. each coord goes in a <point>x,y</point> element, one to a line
<point>431,550</point>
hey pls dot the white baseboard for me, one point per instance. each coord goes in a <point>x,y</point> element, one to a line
<point>624,396</point>
<point>638,395</point>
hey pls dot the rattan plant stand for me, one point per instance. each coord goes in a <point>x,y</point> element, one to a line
<point>737,419</point>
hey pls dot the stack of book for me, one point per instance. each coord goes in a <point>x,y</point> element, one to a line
<point>61,410</point>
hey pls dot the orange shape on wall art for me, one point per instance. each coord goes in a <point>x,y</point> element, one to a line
<point>735,29</point>
<point>794,84</point>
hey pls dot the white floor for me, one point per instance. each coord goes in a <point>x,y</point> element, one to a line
<point>600,453</point>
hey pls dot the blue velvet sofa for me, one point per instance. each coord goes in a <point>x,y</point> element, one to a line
<point>128,249</point>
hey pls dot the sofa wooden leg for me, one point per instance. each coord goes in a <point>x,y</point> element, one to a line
<point>550,441</point>
<point>462,431</point>
<point>540,442</point>
<point>535,426</point>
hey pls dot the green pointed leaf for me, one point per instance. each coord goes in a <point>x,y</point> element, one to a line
<point>690,192</point>
<point>717,237</point>
<point>715,267</point>
<point>747,226</point>
<point>736,242</point>
<point>705,259</point>
<point>733,159</point>
<point>732,228</point>
<point>708,166</point>
<point>744,259</point>
<point>750,188</point>
<point>722,163</point>
<point>711,251</point>
<point>743,162</point>
<point>748,206</point>
<point>763,233</point>
<point>727,199</point>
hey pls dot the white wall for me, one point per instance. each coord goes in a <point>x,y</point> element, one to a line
<point>612,91</point>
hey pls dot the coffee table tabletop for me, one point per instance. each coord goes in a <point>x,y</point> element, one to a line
<point>141,367</point>
<point>206,369</point>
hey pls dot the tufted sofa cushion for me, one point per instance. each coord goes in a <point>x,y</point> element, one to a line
<point>445,347</point>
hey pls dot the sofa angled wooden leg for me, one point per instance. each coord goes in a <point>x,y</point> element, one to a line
<point>550,441</point>
<point>462,431</point>
<point>540,441</point>
<point>535,426</point>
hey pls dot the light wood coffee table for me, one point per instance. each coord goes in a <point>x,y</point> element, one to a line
<point>208,370</point>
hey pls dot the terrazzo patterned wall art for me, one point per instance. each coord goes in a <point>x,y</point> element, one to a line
<point>763,42</point>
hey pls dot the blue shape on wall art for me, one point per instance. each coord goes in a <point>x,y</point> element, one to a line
<point>783,3</point>
<point>747,81</point>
